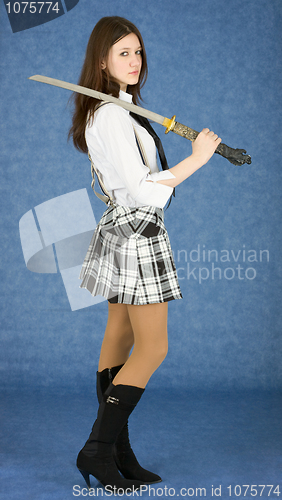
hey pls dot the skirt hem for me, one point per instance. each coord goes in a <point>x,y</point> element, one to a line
<point>169,299</point>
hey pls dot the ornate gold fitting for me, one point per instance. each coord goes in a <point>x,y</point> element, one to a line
<point>169,124</point>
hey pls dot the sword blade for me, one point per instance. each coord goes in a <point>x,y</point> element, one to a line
<point>101,96</point>
<point>235,156</point>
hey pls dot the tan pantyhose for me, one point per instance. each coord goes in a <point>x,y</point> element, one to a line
<point>145,328</point>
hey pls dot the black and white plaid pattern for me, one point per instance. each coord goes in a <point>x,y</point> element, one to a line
<point>130,258</point>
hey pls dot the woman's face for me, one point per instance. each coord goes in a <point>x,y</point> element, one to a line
<point>125,61</point>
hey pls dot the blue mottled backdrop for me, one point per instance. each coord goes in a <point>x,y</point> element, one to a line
<point>213,64</point>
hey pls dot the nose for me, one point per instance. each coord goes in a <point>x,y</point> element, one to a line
<point>135,60</point>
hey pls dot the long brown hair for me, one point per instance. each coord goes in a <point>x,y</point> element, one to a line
<point>105,34</point>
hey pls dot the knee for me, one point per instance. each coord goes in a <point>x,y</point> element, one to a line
<point>156,351</point>
<point>158,354</point>
<point>127,338</point>
<point>162,351</point>
<point>123,337</point>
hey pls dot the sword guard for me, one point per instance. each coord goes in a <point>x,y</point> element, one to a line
<point>169,124</point>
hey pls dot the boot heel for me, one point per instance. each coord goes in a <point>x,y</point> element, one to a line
<point>86,477</point>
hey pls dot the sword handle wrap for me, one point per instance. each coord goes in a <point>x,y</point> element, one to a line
<point>235,156</point>
<point>185,131</point>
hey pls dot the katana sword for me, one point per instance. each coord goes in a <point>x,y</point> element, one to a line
<point>235,156</point>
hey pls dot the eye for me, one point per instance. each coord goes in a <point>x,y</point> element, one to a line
<point>139,52</point>
<point>124,54</point>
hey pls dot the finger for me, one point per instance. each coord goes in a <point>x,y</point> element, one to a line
<point>205,130</point>
<point>213,135</point>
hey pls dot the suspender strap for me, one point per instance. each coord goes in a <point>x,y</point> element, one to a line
<point>141,150</point>
<point>106,198</point>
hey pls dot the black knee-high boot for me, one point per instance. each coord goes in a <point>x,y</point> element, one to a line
<point>96,457</point>
<point>124,456</point>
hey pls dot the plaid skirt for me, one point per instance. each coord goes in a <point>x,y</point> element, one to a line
<point>130,258</point>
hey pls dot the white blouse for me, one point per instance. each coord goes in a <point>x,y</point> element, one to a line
<point>112,145</point>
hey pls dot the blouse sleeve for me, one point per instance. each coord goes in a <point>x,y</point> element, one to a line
<point>119,146</point>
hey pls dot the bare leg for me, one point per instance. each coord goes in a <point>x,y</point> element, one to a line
<point>118,339</point>
<point>149,324</point>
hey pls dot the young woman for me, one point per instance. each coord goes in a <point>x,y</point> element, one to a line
<point>129,260</point>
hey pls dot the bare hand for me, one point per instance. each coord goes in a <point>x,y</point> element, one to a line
<point>205,145</point>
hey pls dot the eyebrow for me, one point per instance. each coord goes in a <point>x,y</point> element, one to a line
<point>126,48</point>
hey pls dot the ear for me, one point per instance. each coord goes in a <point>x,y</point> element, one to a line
<point>103,65</point>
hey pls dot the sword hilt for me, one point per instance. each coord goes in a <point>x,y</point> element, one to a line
<point>235,156</point>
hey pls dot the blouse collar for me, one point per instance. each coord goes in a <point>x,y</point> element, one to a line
<point>124,96</point>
